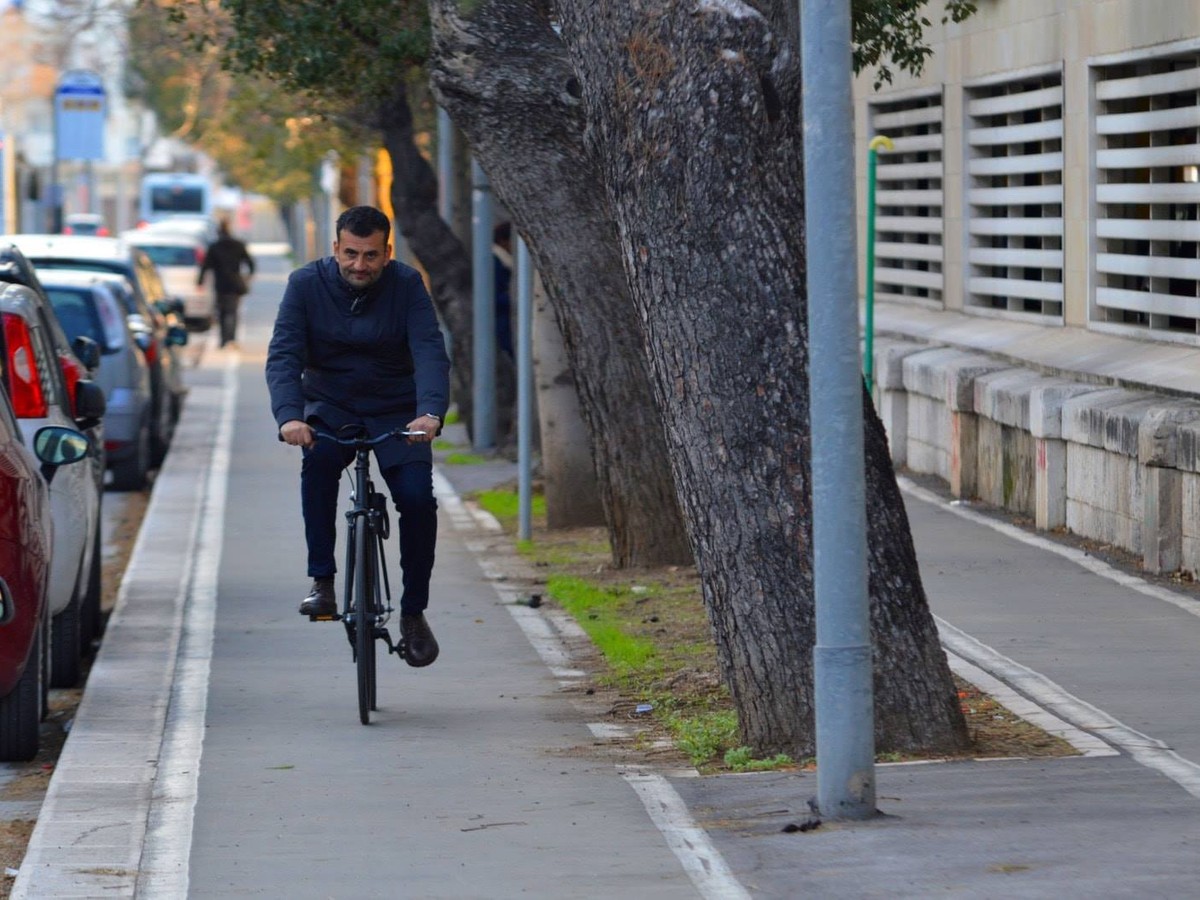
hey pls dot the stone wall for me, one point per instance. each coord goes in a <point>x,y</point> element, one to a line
<point>1115,465</point>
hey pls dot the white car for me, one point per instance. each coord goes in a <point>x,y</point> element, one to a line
<point>179,257</point>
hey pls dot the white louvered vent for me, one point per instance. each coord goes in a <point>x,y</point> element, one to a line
<point>1145,258</point>
<point>908,222</point>
<point>1015,196</point>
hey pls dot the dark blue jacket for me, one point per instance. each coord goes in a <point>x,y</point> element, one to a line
<point>382,365</point>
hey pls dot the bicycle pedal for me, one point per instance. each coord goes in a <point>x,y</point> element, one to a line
<point>334,618</point>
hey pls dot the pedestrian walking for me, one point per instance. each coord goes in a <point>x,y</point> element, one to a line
<point>357,343</point>
<point>226,258</point>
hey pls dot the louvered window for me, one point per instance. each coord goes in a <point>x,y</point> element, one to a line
<point>1015,196</point>
<point>1147,265</point>
<point>908,222</point>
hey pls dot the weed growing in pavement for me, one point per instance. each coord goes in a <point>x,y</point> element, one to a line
<point>741,759</point>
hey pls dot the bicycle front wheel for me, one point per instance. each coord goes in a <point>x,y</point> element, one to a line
<point>364,619</point>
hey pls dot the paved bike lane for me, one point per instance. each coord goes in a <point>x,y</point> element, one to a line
<point>222,754</point>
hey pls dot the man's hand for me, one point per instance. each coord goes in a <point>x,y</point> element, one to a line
<point>428,425</point>
<point>296,433</point>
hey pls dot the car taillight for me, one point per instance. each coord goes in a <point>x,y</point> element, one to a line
<point>28,398</point>
<point>151,352</point>
<point>72,371</point>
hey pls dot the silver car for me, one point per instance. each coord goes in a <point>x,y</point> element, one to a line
<point>87,305</point>
<point>40,397</point>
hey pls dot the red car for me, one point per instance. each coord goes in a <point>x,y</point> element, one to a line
<point>26,534</point>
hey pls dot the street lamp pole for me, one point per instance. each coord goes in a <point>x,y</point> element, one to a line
<point>842,673</point>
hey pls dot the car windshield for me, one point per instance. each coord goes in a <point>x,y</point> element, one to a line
<point>170,255</point>
<point>81,315</point>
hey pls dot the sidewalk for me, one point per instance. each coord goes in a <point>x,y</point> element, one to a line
<point>1115,658</point>
<point>1101,825</point>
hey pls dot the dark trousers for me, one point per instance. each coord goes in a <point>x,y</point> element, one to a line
<point>411,486</point>
<point>227,316</point>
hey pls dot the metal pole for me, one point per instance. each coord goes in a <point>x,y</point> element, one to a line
<point>445,165</point>
<point>869,359</point>
<point>842,656</point>
<point>483,369</point>
<point>524,350</point>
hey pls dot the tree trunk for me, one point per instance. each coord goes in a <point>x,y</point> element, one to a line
<point>505,80</point>
<point>693,114</point>
<point>569,478</point>
<point>440,252</point>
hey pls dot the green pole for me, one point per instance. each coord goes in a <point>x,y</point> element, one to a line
<point>869,355</point>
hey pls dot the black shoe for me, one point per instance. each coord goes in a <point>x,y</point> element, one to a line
<point>420,646</point>
<point>321,600</point>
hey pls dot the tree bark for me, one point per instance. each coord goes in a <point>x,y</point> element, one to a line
<point>569,478</point>
<point>693,113</point>
<point>440,252</point>
<point>505,80</point>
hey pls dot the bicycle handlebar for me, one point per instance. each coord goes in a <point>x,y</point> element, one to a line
<point>365,442</point>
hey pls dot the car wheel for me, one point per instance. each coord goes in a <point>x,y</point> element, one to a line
<point>130,474</point>
<point>89,614</point>
<point>64,645</point>
<point>21,710</point>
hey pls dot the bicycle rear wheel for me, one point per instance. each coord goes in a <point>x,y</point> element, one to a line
<point>364,619</point>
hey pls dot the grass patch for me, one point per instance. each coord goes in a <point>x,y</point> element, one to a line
<point>507,505</point>
<point>464,459</point>
<point>598,611</point>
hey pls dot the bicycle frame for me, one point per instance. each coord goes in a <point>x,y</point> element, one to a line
<point>367,597</point>
<point>374,515</point>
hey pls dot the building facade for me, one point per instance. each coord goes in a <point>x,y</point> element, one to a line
<point>1037,277</point>
<point>1046,167</point>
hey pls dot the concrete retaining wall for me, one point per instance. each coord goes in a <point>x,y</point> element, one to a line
<point>1117,466</point>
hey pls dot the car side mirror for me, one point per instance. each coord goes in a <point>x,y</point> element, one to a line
<point>172,306</point>
<point>55,445</point>
<point>90,403</point>
<point>177,335</point>
<point>87,350</point>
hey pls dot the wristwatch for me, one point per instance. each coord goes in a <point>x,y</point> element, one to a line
<point>433,416</point>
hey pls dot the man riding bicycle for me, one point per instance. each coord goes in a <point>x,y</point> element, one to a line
<point>357,343</point>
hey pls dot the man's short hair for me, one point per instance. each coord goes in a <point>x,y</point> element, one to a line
<point>363,221</point>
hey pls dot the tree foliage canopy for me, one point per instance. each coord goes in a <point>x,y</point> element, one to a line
<point>892,32</point>
<point>352,51</point>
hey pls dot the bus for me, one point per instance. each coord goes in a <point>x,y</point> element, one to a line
<point>166,194</point>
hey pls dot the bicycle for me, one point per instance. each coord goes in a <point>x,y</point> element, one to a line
<point>367,596</point>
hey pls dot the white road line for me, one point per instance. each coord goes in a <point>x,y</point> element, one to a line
<point>689,842</point>
<point>1086,743</point>
<point>1149,751</point>
<point>168,846</point>
<point>1093,565</point>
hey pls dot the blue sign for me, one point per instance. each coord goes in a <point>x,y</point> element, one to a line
<point>79,112</point>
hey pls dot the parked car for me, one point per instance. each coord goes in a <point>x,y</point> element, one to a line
<point>202,228</point>
<point>41,397</point>
<point>87,305</point>
<point>150,303</point>
<point>77,358</point>
<point>85,224</point>
<point>179,257</point>
<point>26,546</point>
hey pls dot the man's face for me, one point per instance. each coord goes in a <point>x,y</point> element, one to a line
<point>361,259</point>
